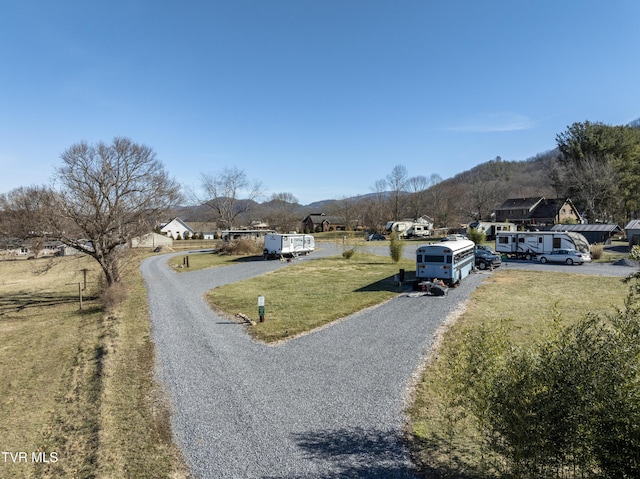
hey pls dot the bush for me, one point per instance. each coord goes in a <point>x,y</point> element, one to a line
<point>396,246</point>
<point>241,247</point>
<point>113,296</point>
<point>597,250</point>
<point>348,253</point>
<point>476,235</point>
<point>567,403</point>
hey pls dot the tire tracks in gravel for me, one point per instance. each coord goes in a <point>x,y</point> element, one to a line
<point>327,404</point>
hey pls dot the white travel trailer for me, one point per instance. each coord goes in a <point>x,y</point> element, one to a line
<point>492,228</point>
<point>409,229</point>
<point>529,244</point>
<point>290,245</point>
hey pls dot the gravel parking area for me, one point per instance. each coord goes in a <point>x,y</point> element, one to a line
<point>325,405</point>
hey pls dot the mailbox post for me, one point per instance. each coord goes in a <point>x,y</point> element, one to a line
<point>261,308</point>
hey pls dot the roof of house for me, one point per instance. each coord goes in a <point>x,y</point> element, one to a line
<point>633,225</point>
<point>602,227</point>
<point>520,203</point>
<point>538,206</point>
<point>319,218</point>
<point>178,220</point>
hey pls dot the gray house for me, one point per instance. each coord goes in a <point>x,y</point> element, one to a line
<point>633,232</point>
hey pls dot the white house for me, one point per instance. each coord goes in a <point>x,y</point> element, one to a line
<point>177,228</point>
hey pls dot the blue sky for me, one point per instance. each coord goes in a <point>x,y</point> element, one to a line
<point>316,98</point>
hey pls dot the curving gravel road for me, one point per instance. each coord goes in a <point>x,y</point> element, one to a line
<point>325,405</point>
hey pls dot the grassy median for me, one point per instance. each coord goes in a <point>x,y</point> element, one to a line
<point>307,295</point>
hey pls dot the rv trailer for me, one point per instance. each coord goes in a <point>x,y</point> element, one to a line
<point>409,229</point>
<point>491,229</point>
<point>529,244</point>
<point>287,245</point>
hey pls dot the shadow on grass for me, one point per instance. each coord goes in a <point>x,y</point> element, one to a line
<point>423,451</point>
<point>17,302</point>
<point>387,284</point>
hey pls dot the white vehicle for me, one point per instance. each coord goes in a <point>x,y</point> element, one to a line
<point>409,229</point>
<point>531,244</point>
<point>449,261</point>
<point>290,245</point>
<point>566,256</point>
<point>491,229</point>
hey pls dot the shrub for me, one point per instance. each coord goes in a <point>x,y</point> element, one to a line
<point>396,245</point>
<point>597,250</point>
<point>476,235</point>
<point>567,403</point>
<point>348,253</point>
<point>241,247</point>
<point>113,296</point>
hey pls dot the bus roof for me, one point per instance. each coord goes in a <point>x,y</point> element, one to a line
<point>453,245</point>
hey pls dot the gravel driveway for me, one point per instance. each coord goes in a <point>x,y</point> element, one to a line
<point>325,405</point>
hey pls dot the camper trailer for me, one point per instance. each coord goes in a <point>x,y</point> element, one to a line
<point>409,229</point>
<point>491,229</point>
<point>287,245</point>
<point>530,244</point>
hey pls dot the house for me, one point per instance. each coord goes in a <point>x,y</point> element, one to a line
<point>595,233</point>
<point>36,248</point>
<point>208,229</point>
<point>176,228</point>
<point>318,222</point>
<point>537,212</point>
<point>633,232</point>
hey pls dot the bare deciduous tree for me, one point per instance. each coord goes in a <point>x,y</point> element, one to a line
<point>224,191</point>
<point>103,195</point>
<point>346,210</point>
<point>397,181</point>
<point>282,212</point>
<point>417,187</point>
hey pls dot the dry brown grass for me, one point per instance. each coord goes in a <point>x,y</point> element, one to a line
<point>78,383</point>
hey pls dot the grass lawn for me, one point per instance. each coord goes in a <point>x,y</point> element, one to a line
<point>527,302</point>
<point>78,385</point>
<point>207,260</point>
<point>323,290</point>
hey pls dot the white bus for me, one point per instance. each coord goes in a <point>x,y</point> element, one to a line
<point>449,261</point>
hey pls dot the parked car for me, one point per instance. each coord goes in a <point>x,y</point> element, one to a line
<point>489,249</point>
<point>485,260</point>
<point>375,237</point>
<point>567,256</point>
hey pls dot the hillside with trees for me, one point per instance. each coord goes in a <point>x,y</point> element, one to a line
<point>597,166</point>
